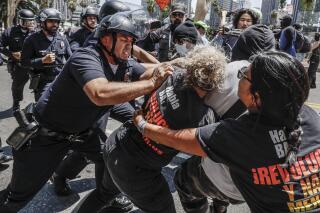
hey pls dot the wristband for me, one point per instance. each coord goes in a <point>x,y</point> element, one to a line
<point>141,125</point>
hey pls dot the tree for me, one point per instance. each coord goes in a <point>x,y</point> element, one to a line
<point>282,3</point>
<point>202,8</point>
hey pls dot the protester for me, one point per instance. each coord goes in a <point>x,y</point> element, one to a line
<point>202,29</point>
<point>314,61</point>
<point>163,36</point>
<point>185,38</point>
<point>133,163</point>
<point>242,19</point>
<point>287,36</point>
<point>270,151</point>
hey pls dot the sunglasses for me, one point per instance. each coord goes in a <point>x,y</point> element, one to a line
<point>176,14</point>
<point>241,74</point>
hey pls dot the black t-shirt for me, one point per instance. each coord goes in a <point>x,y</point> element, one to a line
<point>64,106</point>
<point>172,105</point>
<point>254,153</point>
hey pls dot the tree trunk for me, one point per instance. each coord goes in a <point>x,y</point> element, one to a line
<point>202,8</point>
<point>11,8</point>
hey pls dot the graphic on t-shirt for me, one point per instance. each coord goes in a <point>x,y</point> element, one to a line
<point>280,142</point>
<point>154,116</point>
<point>301,181</point>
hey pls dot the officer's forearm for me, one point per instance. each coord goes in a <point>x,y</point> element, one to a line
<point>103,93</point>
<point>5,51</point>
<point>32,63</point>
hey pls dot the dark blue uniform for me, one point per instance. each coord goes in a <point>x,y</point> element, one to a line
<point>63,109</point>
<point>12,41</point>
<point>75,162</point>
<point>37,46</point>
<point>78,38</point>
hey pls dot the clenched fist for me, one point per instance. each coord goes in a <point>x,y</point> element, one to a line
<point>49,58</point>
<point>160,73</point>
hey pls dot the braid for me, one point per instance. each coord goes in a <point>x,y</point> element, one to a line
<point>294,140</point>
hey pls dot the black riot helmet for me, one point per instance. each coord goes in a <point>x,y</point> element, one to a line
<point>26,19</point>
<point>89,11</point>
<point>111,7</point>
<point>132,23</point>
<point>50,14</point>
<point>117,23</point>
<point>26,14</point>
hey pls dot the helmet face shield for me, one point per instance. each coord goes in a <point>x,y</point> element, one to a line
<point>140,19</point>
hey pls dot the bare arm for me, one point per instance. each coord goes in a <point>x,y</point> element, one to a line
<point>143,55</point>
<point>183,140</point>
<point>102,92</point>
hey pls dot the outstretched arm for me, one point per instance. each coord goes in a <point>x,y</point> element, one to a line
<point>183,140</point>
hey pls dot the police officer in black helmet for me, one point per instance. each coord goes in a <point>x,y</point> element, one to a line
<point>89,20</point>
<point>74,162</point>
<point>45,51</point>
<point>11,43</point>
<point>87,86</point>
<point>110,8</point>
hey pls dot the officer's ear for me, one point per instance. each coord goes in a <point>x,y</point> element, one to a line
<point>106,40</point>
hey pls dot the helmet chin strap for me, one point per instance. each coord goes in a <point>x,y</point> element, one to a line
<point>88,26</point>
<point>46,29</point>
<point>111,53</point>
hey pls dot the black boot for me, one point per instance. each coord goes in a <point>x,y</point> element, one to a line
<point>5,158</point>
<point>218,206</point>
<point>120,204</point>
<point>61,187</point>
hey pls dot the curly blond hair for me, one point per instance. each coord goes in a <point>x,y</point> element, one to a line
<point>205,67</point>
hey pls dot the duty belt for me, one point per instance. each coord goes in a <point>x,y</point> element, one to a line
<point>73,138</point>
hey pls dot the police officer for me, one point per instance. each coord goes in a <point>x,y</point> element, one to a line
<point>45,51</point>
<point>163,35</point>
<point>85,90</point>
<point>89,20</point>
<point>74,162</point>
<point>11,44</point>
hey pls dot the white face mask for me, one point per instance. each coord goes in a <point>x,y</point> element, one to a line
<point>181,49</point>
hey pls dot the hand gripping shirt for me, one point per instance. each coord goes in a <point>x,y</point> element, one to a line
<point>254,153</point>
<point>172,105</point>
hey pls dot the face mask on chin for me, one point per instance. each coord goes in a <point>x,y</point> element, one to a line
<point>181,49</point>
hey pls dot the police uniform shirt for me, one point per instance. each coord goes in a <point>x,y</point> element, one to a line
<point>78,38</point>
<point>91,40</point>
<point>254,153</point>
<point>64,106</point>
<point>38,45</point>
<point>12,40</point>
<point>172,105</point>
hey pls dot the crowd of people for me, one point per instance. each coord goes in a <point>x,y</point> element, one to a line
<point>234,103</point>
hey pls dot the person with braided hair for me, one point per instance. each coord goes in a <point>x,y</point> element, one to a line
<point>133,162</point>
<point>271,153</point>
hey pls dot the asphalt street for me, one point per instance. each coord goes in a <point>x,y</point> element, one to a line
<point>46,201</point>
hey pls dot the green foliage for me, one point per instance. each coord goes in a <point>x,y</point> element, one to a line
<point>307,5</point>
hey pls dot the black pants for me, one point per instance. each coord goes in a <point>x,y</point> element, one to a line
<point>194,187</point>
<point>312,72</point>
<point>75,162</point>
<point>145,187</point>
<point>19,77</point>
<point>34,164</point>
